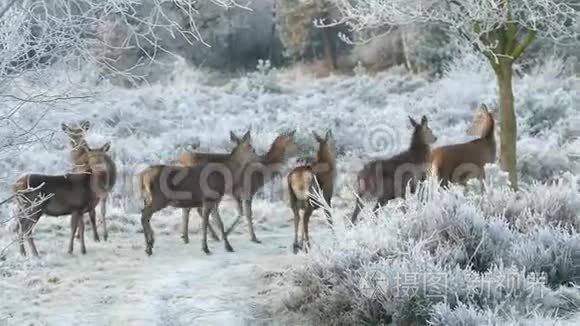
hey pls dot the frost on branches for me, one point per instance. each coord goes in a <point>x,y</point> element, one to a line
<point>42,41</point>
<point>37,34</point>
<point>500,29</point>
<point>473,19</point>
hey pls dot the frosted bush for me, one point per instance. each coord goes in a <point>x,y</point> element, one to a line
<point>544,159</point>
<point>263,80</point>
<point>493,269</point>
<point>406,289</point>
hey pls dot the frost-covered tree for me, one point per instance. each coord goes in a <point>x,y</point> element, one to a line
<point>35,35</point>
<point>295,24</point>
<point>502,30</point>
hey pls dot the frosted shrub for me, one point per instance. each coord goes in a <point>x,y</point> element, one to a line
<point>548,250</point>
<point>447,257</point>
<point>263,80</point>
<point>407,289</point>
<point>543,160</point>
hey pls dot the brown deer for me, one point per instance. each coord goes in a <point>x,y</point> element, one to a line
<point>257,174</point>
<point>460,162</point>
<point>193,159</point>
<point>387,179</point>
<point>58,195</point>
<point>304,179</point>
<point>254,177</point>
<point>108,171</point>
<point>191,187</point>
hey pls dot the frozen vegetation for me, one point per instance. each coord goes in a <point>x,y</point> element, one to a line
<point>456,258</point>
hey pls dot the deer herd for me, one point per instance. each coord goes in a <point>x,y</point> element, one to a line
<point>201,180</point>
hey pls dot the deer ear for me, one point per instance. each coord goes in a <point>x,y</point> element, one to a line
<point>317,137</point>
<point>234,138</point>
<point>424,120</point>
<point>247,136</point>
<point>292,133</point>
<point>106,147</point>
<point>85,124</point>
<point>328,135</point>
<point>413,122</point>
<point>484,108</point>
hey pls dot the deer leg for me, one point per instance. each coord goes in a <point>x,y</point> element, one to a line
<point>185,225</point>
<point>296,213</point>
<point>82,233</point>
<point>357,209</point>
<point>206,210</point>
<point>146,215</point>
<point>248,209</point>
<point>29,237</point>
<point>306,220</point>
<point>103,215</point>
<point>20,230</point>
<point>211,230</point>
<point>74,221</point>
<point>328,199</point>
<point>220,224</point>
<point>78,235</point>
<point>25,227</point>
<point>92,217</point>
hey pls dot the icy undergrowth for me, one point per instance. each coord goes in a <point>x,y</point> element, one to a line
<point>368,116</point>
<point>444,257</point>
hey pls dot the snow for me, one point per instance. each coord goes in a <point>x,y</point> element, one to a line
<point>116,283</point>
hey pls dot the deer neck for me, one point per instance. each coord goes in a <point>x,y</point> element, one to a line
<point>489,131</point>
<point>79,149</point>
<point>276,155</point>
<point>488,136</point>
<point>418,144</point>
<point>327,157</point>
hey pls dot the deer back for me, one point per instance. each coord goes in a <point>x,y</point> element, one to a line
<point>56,195</point>
<point>460,161</point>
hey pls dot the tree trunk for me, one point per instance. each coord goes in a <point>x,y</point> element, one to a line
<point>329,51</point>
<point>508,125</point>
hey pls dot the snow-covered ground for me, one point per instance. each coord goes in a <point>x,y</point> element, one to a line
<point>117,284</point>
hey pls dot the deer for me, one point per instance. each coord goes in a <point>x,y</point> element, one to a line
<point>458,163</point>
<point>196,158</point>
<point>257,174</point>
<point>388,179</point>
<point>79,147</point>
<point>200,186</point>
<point>303,180</point>
<point>254,177</point>
<point>59,195</point>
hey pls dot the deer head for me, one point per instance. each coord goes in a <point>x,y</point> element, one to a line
<point>482,122</point>
<point>76,134</point>
<point>283,147</point>
<point>244,151</point>
<point>326,148</point>
<point>422,132</point>
<point>235,139</point>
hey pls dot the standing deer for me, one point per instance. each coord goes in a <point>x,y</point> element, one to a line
<point>303,180</point>
<point>197,158</point>
<point>387,179</point>
<point>460,162</point>
<point>201,186</point>
<point>254,177</point>
<point>58,195</point>
<point>108,171</point>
